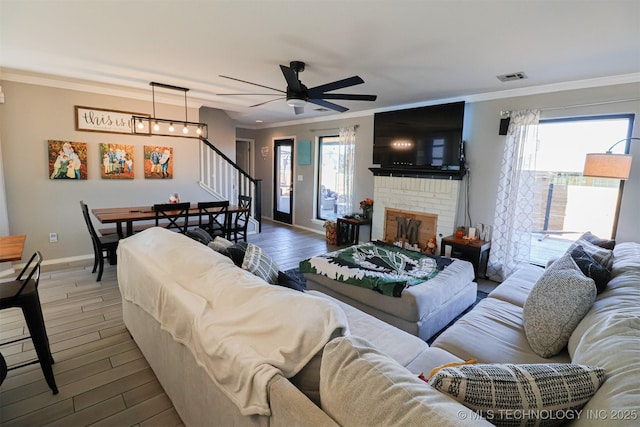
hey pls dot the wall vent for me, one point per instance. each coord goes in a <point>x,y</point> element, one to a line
<point>520,75</point>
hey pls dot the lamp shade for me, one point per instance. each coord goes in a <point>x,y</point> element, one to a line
<point>607,165</point>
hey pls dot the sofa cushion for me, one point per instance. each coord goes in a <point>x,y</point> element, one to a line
<point>558,301</point>
<point>591,268</point>
<point>290,281</point>
<point>492,333</point>
<point>508,392</point>
<point>614,344</point>
<point>261,264</point>
<point>603,256</point>
<point>603,243</point>
<point>360,386</point>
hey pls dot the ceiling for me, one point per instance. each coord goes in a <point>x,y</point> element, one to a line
<point>407,52</point>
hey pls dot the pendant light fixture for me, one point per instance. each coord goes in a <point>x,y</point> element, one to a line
<point>143,125</point>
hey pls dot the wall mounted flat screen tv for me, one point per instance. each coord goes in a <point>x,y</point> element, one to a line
<point>425,138</point>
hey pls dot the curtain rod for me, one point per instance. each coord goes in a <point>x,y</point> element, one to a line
<point>505,113</point>
<point>318,130</point>
<point>590,104</point>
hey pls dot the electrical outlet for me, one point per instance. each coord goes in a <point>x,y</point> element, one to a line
<point>53,237</point>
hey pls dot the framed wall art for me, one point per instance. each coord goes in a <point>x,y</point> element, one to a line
<point>116,161</point>
<point>158,162</point>
<point>67,160</point>
<point>101,120</point>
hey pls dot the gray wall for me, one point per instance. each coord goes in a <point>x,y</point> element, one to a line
<point>483,147</point>
<point>33,114</point>
<point>36,206</point>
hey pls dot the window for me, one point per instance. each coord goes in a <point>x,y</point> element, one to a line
<point>328,177</point>
<point>566,204</point>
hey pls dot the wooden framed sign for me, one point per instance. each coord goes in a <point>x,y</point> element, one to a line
<point>101,120</point>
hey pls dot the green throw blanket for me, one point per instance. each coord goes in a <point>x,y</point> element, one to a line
<point>379,266</point>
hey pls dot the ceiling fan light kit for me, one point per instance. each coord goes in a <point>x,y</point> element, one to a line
<point>297,95</point>
<point>144,125</point>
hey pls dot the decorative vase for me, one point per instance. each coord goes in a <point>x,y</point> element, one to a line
<point>367,212</point>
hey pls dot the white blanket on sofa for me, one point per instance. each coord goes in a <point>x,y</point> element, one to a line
<point>241,330</point>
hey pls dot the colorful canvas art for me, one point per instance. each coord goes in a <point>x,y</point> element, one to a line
<point>158,162</point>
<point>67,160</point>
<point>116,161</point>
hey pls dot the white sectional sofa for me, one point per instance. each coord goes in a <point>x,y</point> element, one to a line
<point>355,370</point>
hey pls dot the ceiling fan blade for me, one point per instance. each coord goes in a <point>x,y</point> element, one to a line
<point>348,97</point>
<point>243,94</point>
<point>298,110</point>
<point>266,102</point>
<point>338,84</point>
<point>292,78</point>
<point>255,84</point>
<point>327,104</point>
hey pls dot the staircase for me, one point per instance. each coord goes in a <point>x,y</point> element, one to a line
<point>224,180</point>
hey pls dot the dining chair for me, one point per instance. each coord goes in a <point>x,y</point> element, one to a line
<point>23,293</point>
<point>212,217</point>
<point>238,227</point>
<point>177,215</point>
<point>103,246</point>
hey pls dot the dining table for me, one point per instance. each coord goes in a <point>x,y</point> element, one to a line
<point>124,217</point>
<point>11,247</point>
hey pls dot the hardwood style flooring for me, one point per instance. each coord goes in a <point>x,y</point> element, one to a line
<point>101,374</point>
<point>102,377</point>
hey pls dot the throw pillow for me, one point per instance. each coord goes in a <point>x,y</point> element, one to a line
<point>289,281</point>
<point>603,243</point>
<point>237,251</point>
<point>557,302</point>
<point>550,394</point>
<point>603,256</point>
<point>199,235</point>
<point>261,264</point>
<point>600,274</point>
<point>221,245</point>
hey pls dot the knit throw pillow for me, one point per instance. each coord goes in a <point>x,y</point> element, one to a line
<point>260,263</point>
<point>513,395</point>
<point>591,268</point>
<point>561,297</point>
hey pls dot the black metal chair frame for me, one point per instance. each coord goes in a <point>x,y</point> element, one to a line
<point>103,246</point>
<point>23,293</point>
<point>241,220</point>
<point>173,212</point>
<point>215,214</point>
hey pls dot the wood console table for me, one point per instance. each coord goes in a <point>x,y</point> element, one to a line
<point>474,251</point>
<point>11,247</point>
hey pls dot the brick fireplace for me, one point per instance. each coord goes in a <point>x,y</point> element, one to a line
<point>432,196</point>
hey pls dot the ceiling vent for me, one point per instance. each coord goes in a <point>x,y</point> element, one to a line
<point>520,75</point>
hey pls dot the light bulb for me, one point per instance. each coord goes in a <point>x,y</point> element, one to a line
<point>140,125</point>
<point>171,129</point>
<point>156,127</point>
<point>185,129</point>
<point>199,130</point>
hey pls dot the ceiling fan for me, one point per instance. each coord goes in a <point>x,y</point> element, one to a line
<point>297,94</point>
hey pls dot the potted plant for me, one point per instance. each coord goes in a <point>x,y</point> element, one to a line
<point>460,232</point>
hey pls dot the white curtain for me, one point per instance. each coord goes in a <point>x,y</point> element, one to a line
<point>514,206</point>
<point>346,170</point>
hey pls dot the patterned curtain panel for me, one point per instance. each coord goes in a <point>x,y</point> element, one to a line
<point>512,223</point>
<point>346,170</point>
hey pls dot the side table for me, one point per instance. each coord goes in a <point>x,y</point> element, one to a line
<point>349,230</point>
<point>474,251</point>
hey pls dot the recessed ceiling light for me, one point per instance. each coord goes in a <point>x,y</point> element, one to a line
<point>320,109</point>
<point>258,121</point>
<point>520,75</point>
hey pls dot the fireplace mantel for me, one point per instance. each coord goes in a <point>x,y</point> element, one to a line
<point>413,173</point>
